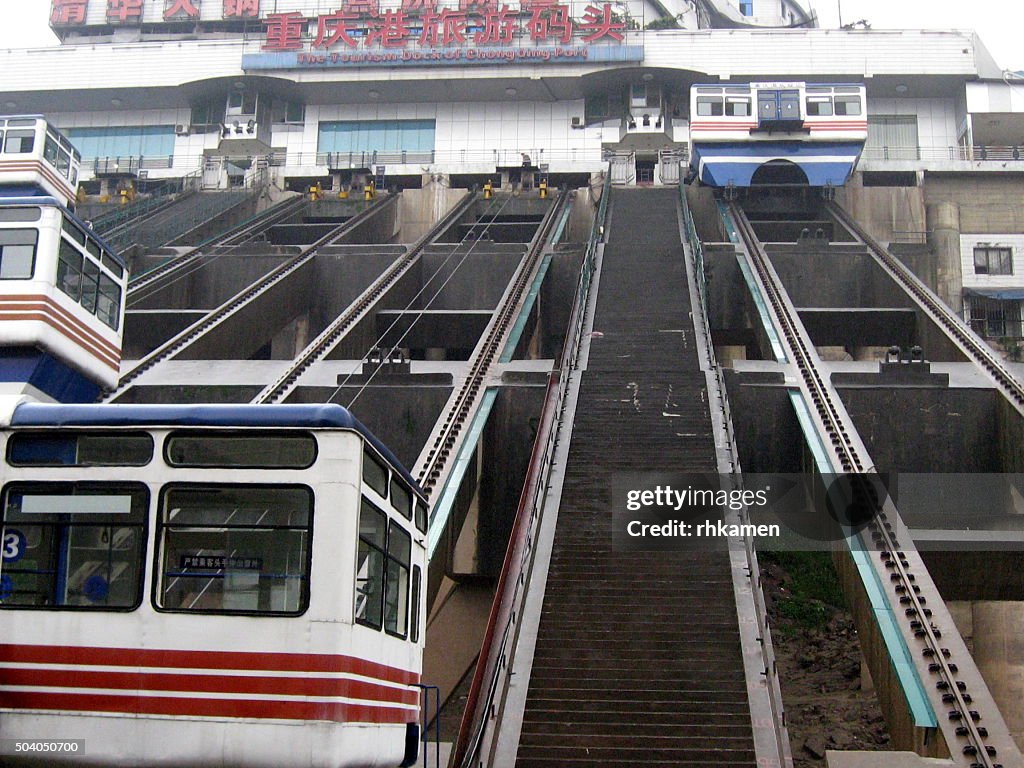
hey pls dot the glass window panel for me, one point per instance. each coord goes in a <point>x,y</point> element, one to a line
<point>401,498</point>
<point>819,106</point>
<point>369,592</point>
<point>51,149</point>
<point>421,515</point>
<point>375,474</point>
<point>737,107</point>
<point>848,105</point>
<point>251,450</point>
<point>396,597</point>
<point>20,214</point>
<point>87,560</point>
<point>20,142</point>
<point>69,270</point>
<point>17,253</point>
<point>235,549</point>
<point>108,303</point>
<point>414,621</point>
<point>90,284</point>
<point>79,449</point>
<point>709,106</point>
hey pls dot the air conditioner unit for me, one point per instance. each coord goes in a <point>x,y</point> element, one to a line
<point>181,130</point>
<point>577,122</point>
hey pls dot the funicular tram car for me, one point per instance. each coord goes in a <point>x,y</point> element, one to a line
<point>61,287</point>
<point>777,134</point>
<point>208,586</point>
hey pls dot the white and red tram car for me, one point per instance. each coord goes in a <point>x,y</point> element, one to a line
<point>209,586</point>
<point>37,159</point>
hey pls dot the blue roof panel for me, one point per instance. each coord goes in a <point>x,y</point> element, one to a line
<point>324,416</point>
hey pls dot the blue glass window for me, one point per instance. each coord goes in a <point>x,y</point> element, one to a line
<point>377,136</point>
<point>137,141</point>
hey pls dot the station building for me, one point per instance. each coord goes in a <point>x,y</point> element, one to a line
<point>413,93</point>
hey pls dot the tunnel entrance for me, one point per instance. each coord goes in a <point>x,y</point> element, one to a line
<point>778,173</point>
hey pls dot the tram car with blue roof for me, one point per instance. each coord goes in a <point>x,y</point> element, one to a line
<point>62,287</point>
<point>209,586</point>
<point>776,133</point>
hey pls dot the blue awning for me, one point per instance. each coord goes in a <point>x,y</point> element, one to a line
<point>1002,294</point>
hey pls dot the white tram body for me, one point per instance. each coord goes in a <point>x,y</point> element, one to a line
<point>737,131</point>
<point>36,158</point>
<point>209,586</point>
<point>62,295</point>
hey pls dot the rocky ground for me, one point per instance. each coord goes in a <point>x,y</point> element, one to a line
<point>819,660</point>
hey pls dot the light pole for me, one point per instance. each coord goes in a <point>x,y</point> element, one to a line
<point>839,4</point>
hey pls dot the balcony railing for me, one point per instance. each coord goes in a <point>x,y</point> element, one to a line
<point>982,152</point>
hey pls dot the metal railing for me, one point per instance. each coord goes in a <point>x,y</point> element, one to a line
<point>156,198</point>
<point>502,627</point>
<point>772,678</point>
<point>979,152</point>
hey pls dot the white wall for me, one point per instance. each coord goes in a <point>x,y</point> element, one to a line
<point>936,118</point>
<point>971,280</point>
<point>476,128</point>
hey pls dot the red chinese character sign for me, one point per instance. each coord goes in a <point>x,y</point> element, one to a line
<point>68,12</point>
<point>284,31</point>
<point>420,23</point>
<point>124,11</point>
<point>177,10</point>
<point>241,9</point>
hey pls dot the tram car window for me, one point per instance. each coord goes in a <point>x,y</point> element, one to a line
<point>18,253</point>
<point>249,450</point>
<point>235,549</point>
<point>28,449</point>
<point>74,545</point>
<point>373,529</point>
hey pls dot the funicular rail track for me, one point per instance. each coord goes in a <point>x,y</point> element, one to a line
<point>487,351</point>
<point>321,346</point>
<point>939,312</point>
<point>971,736</point>
<point>242,233</point>
<point>197,329</point>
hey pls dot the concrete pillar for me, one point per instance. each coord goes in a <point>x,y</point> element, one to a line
<point>999,652</point>
<point>943,220</point>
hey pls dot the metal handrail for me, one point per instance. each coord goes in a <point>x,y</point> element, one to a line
<point>772,679</point>
<point>510,591</point>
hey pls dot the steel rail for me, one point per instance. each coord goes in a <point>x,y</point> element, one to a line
<point>972,345</point>
<point>321,346</point>
<point>487,352</point>
<point>846,452</point>
<point>218,315</point>
<point>239,234</point>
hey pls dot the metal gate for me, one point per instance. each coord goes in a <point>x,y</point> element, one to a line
<point>670,163</point>
<point>623,165</point>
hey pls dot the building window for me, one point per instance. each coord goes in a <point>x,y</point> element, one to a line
<point>139,141</point>
<point>995,318</point>
<point>74,545</point>
<point>989,260</point>
<point>235,549</point>
<point>377,136</point>
<point>892,137</point>
<point>747,7</point>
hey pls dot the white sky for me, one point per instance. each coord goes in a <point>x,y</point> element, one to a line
<point>1000,23</point>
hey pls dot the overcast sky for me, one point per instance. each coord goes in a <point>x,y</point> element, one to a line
<point>999,22</point>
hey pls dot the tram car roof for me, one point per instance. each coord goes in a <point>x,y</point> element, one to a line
<point>325,416</point>
<point>49,200</point>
